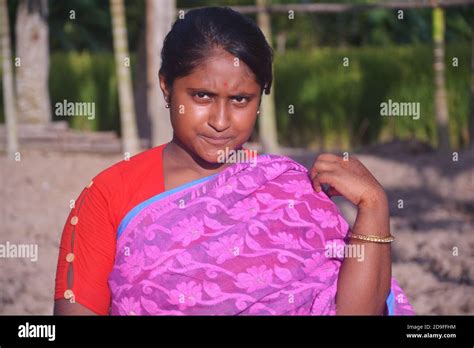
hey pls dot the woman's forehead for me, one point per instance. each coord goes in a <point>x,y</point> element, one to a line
<point>221,71</point>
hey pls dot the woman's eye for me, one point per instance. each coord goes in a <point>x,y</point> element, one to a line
<point>201,95</point>
<point>240,100</point>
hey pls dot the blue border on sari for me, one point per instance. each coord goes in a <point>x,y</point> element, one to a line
<point>132,213</point>
<point>391,303</point>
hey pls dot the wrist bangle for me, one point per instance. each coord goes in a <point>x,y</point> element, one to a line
<point>369,238</point>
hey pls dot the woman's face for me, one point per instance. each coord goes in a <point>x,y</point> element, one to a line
<point>214,107</point>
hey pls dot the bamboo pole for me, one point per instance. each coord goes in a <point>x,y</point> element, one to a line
<point>471,118</point>
<point>441,100</point>
<point>8,86</point>
<point>159,18</point>
<point>267,119</point>
<point>130,141</point>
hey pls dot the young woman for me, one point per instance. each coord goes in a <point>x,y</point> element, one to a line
<point>175,230</point>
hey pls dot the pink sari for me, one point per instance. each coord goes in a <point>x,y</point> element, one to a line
<point>251,240</point>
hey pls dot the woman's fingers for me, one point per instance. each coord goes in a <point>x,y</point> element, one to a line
<point>325,163</point>
<point>325,157</point>
<point>326,177</point>
<point>328,157</point>
<point>333,192</point>
<point>319,168</point>
<point>323,177</point>
<point>324,166</point>
<point>316,183</point>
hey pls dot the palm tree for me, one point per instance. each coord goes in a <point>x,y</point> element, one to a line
<point>267,119</point>
<point>441,103</point>
<point>32,49</point>
<point>130,143</point>
<point>159,17</point>
<point>8,89</point>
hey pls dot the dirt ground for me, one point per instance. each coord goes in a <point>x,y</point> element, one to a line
<point>433,256</point>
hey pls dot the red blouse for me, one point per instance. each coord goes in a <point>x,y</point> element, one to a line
<point>87,248</point>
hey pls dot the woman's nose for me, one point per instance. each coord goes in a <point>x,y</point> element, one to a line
<point>220,117</point>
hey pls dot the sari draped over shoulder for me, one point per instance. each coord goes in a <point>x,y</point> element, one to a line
<point>250,240</point>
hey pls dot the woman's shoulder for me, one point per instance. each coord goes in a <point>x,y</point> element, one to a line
<point>127,183</point>
<point>286,163</point>
<point>132,168</point>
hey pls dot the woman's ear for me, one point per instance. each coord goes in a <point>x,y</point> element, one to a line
<point>164,88</point>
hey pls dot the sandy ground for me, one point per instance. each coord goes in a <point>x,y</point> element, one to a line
<point>433,256</point>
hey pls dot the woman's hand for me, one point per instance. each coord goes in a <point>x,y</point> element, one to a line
<point>362,286</point>
<point>349,178</point>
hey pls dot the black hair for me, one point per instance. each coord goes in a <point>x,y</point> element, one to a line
<point>202,30</point>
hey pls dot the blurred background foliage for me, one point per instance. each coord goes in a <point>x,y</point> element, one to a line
<point>333,104</point>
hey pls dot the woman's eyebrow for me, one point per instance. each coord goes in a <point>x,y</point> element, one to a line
<point>243,94</point>
<point>204,90</point>
<point>201,90</point>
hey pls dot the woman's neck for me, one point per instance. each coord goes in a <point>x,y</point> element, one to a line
<point>180,158</point>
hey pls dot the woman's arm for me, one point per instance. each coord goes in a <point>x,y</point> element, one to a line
<point>363,286</point>
<point>364,283</point>
<point>87,250</point>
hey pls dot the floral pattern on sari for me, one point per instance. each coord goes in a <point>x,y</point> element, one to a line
<point>249,241</point>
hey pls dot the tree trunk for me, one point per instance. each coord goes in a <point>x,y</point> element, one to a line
<point>8,88</point>
<point>441,102</point>
<point>281,42</point>
<point>159,18</point>
<point>471,118</point>
<point>32,49</point>
<point>130,143</point>
<point>267,119</point>
<point>140,91</point>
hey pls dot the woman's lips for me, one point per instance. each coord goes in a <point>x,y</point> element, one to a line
<point>215,140</point>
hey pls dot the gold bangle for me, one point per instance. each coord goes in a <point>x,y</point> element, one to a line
<point>374,239</point>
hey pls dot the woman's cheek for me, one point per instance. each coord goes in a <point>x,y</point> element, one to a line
<point>186,115</point>
<point>245,121</point>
